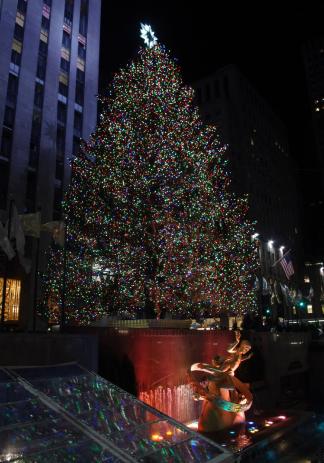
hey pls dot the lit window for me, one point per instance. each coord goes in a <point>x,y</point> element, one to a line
<point>64,78</point>
<point>46,11</point>
<point>44,36</point>
<point>306,279</point>
<point>20,19</point>
<point>82,39</point>
<point>80,64</point>
<point>309,308</point>
<point>294,310</point>
<point>65,53</point>
<point>323,309</point>
<point>12,300</point>
<point>16,45</point>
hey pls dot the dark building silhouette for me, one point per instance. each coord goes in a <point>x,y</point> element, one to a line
<point>259,161</point>
<point>313,52</point>
<point>49,57</point>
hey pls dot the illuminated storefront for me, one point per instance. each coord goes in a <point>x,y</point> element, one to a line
<point>12,299</point>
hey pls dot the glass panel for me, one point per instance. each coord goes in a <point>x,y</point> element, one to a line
<point>98,411</point>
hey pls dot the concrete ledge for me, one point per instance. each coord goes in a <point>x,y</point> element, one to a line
<point>25,349</point>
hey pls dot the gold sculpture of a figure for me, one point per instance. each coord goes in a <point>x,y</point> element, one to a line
<point>238,352</point>
<point>225,397</point>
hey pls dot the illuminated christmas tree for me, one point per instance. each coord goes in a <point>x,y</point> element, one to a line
<point>152,224</point>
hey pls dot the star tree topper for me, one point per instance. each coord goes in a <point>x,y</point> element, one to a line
<point>148,35</point>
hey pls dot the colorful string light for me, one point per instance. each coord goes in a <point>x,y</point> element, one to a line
<point>152,224</point>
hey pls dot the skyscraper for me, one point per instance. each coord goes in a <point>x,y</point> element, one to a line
<point>259,160</point>
<point>49,57</point>
<point>313,52</point>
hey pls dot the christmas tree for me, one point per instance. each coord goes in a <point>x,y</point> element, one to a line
<point>152,225</point>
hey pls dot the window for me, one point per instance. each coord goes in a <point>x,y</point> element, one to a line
<point>39,95</point>
<point>9,117</point>
<point>306,279</point>
<point>19,32</point>
<point>66,41</point>
<point>4,178</point>
<point>41,67</point>
<point>65,65</point>
<point>22,6</point>
<point>12,299</point>
<point>81,51</point>
<point>6,143</point>
<point>64,78</point>
<point>12,89</point>
<point>43,36</point>
<point>36,127</point>
<point>68,11</point>
<point>65,53</point>
<point>83,17</point>
<point>79,93</point>
<point>42,51</point>
<point>15,57</point>
<point>45,23</point>
<point>17,45</point>
<point>309,308</point>
<point>60,142</point>
<point>20,19</point>
<point>63,89</point>
<point>80,76</point>
<point>77,124</point>
<point>61,112</point>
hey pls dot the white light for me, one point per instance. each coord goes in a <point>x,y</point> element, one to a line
<point>255,235</point>
<point>270,243</point>
<point>322,270</point>
<point>281,248</point>
<point>148,35</point>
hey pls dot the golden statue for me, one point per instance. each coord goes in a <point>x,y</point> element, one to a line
<point>225,397</point>
<point>237,350</point>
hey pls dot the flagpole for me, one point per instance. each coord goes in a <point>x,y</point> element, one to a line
<point>4,286</point>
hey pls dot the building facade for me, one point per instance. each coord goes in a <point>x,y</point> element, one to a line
<point>258,153</point>
<point>313,52</point>
<point>49,62</point>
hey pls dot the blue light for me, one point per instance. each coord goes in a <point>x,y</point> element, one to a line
<point>320,427</point>
<point>232,432</point>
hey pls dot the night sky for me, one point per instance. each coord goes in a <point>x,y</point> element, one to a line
<point>264,40</point>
